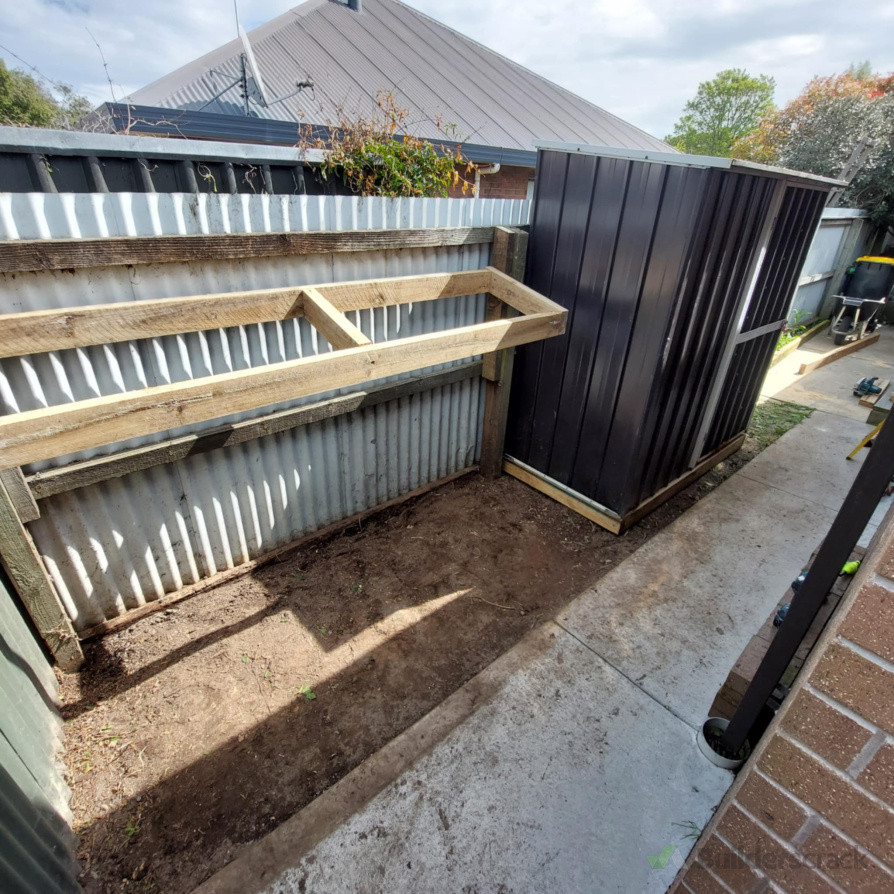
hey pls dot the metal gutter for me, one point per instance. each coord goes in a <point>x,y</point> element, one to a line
<point>184,123</point>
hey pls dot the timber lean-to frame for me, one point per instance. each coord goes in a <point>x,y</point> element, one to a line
<point>58,430</point>
<point>516,315</point>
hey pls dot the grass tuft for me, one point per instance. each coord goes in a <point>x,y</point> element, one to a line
<point>773,418</point>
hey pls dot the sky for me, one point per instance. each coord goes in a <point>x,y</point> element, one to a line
<point>640,59</point>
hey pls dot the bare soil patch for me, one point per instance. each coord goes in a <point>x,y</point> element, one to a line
<point>204,726</point>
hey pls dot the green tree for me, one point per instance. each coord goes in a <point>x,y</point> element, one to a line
<point>23,100</point>
<point>723,110</point>
<point>26,102</point>
<point>825,126</point>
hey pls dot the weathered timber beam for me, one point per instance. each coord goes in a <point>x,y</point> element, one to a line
<point>55,431</point>
<point>27,255</point>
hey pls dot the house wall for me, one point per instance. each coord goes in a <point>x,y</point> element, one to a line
<point>509,182</point>
<point>813,809</point>
<point>36,845</point>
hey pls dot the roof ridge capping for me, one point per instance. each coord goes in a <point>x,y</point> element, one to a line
<point>684,159</point>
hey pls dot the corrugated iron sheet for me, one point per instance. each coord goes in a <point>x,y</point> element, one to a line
<point>36,841</point>
<point>118,544</point>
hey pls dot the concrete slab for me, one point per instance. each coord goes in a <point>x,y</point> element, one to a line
<point>810,461</point>
<point>676,618</point>
<point>571,759</point>
<point>566,781</point>
<point>830,388</point>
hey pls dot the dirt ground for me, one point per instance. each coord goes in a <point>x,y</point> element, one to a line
<point>204,726</point>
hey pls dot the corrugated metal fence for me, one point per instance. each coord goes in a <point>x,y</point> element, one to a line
<point>35,839</point>
<point>116,545</point>
<point>842,236</point>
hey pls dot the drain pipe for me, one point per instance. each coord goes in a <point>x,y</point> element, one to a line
<point>486,169</point>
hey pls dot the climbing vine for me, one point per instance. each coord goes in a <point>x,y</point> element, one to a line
<point>377,156</point>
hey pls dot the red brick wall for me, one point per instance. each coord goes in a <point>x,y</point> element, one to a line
<point>813,809</point>
<point>508,183</point>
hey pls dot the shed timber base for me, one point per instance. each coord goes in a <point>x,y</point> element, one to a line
<point>603,516</point>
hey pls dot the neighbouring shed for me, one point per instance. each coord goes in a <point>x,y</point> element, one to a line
<point>678,272</point>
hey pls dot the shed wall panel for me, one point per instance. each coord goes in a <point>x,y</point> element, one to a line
<point>653,260</point>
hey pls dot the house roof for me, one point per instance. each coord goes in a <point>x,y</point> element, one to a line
<point>432,70</point>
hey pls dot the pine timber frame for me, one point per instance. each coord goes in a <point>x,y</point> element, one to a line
<point>58,430</point>
<point>516,315</point>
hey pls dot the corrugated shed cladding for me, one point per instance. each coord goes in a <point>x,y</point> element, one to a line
<point>431,70</point>
<point>797,223</point>
<point>652,260</point>
<point>119,544</point>
<point>36,844</point>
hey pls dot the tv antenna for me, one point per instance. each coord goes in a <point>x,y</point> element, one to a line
<point>249,80</point>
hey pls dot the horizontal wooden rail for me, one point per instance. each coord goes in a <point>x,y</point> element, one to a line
<point>27,255</point>
<point>103,468</point>
<point>36,332</point>
<point>59,430</point>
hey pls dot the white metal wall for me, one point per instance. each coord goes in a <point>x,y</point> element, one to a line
<point>840,238</point>
<point>36,841</point>
<point>116,545</point>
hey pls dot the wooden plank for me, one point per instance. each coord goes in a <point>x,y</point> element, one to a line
<point>839,352</point>
<point>54,431</point>
<point>524,299</point>
<point>103,468</point>
<point>39,331</point>
<point>604,520</point>
<point>34,587</point>
<point>510,250</point>
<point>496,310</point>
<point>611,522</point>
<point>247,567</point>
<point>683,481</point>
<point>406,289</point>
<point>870,400</point>
<point>25,255</point>
<point>496,415</point>
<point>333,325</point>
<point>20,493</point>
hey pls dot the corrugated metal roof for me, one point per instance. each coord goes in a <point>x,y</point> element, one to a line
<point>432,70</point>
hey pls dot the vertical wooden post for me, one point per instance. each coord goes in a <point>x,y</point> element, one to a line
<point>508,255</point>
<point>29,577</point>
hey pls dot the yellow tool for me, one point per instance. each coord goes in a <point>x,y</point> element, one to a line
<point>866,440</point>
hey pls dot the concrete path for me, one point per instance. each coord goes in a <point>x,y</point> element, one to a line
<point>830,388</point>
<point>571,759</point>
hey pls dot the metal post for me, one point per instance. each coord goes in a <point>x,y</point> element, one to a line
<point>849,524</point>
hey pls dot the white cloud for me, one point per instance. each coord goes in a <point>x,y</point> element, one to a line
<point>641,59</point>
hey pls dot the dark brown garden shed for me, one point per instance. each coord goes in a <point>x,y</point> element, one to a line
<point>677,272</point>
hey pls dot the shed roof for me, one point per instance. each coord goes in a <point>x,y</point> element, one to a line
<point>431,70</point>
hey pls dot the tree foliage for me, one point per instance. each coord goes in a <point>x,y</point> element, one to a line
<point>820,130</point>
<point>375,156</point>
<point>724,110</point>
<point>25,101</point>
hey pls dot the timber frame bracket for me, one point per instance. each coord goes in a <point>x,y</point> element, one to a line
<point>50,432</point>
